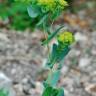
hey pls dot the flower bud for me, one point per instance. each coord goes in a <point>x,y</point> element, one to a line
<point>65,38</point>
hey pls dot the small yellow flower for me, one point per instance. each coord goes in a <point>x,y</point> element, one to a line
<point>63,2</point>
<point>66,38</point>
<point>47,4</point>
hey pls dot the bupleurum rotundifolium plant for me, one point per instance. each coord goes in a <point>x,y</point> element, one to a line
<point>46,11</point>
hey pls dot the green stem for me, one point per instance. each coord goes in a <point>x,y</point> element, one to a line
<point>53,77</point>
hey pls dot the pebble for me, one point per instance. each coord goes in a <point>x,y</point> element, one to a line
<point>91,88</point>
<point>84,62</point>
<point>80,37</point>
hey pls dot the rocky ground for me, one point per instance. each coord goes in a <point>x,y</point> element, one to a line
<point>22,57</point>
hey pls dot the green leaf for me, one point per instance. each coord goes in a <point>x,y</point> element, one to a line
<point>57,55</point>
<point>42,20</point>
<point>54,92</point>
<point>33,11</point>
<point>47,91</point>
<point>60,92</point>
<point>52,56</point>
<point>3,92</point>
<point>63,53</point>
<point>54,51</point>
<point>51,91</point>
<point>52,35</point>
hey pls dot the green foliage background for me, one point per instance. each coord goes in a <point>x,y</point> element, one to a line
<point>16,14</point>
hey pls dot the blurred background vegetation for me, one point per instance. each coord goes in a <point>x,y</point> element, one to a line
<point>14,16</point>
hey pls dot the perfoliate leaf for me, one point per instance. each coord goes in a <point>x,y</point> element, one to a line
<point>63,53</point>
<point>57,55</point>
<point>32,11</point>
<point>47,91</point>
<point>60,92</point>
<point>51,91</point>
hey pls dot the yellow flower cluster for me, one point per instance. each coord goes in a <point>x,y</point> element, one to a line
<point>66,38</point>
<point>63,2</point>
<point>52,4</point>
<point>47,4</point>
